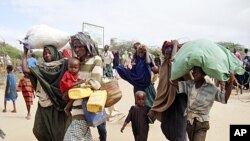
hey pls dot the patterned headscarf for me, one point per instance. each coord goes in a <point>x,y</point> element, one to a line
<point>85,39</point>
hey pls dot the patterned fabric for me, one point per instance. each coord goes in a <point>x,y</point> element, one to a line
<point>10,89</point>
<point>85,40</point>
<point>200,101</point>
<point>79,135</point>
<point>26,87</point>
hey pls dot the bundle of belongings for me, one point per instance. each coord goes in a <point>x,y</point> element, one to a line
<point>42,35</point>
<point>215,60</point>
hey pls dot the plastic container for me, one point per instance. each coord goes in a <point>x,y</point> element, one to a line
<point>78,93</point>
<point>97,101</point>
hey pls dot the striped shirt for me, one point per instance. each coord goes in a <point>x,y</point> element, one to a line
<point>92,71</point>
<point>200,101</point>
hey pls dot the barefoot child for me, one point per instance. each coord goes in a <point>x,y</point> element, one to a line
<point>27,90</point>
<point>201,96</point>
<point>70,80</point>
<point>10,89</point>
<point>138,117</point>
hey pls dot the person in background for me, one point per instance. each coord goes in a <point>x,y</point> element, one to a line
<point>116,62</point>
<point>10,89</point>
<point>128,61</point>
<point>138,117</point>
<point>31,61</point>
<point>201,96</point>
<point>237,54</point>
<point>25,86</point>
<point>107,62</point>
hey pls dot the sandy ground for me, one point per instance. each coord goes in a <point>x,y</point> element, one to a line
<point>237,111</point>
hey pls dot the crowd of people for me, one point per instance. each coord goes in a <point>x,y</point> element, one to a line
<point>182,106</point>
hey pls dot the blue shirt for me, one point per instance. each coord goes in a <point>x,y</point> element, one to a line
<point>32,62</point>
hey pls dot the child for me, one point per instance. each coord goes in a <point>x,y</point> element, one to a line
<point>138,117</point>
<point>201,96</point>
<point>10,90</point>
<point>70,80</point>
<point>26,87</point>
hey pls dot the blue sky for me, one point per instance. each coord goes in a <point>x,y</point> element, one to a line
<point>148,21</point>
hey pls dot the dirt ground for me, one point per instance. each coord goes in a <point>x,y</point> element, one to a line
<point>237,111</point>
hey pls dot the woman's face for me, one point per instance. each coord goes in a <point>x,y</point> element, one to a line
<point>80,50</point>
<point>47,56</point>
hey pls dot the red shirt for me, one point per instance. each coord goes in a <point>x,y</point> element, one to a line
<point>67,81</point>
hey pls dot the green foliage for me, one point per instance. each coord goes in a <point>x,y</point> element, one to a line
<point>231,46</point>
<point>11,51</point>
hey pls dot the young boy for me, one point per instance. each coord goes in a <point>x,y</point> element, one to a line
<point>70,80</point>
<point>10,89</point>
<point>138,117</point>
<point>201,96</point>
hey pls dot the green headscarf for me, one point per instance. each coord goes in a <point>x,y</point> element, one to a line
<point>49,75</point>
<point>55,55</point>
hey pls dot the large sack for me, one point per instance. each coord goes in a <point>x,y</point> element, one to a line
<point>214,59</point>
<point>41,35</point>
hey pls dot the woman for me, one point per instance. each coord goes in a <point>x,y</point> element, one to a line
<point>169,107</point>
<point>50,118</point>
<point>91,71</point>
<point>140,74</point>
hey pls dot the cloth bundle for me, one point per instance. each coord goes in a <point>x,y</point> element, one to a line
<point>214,59</point>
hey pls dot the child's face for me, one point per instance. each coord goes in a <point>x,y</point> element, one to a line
<point>197,74</point>
<point>140,98</point>
<point>74,66</point>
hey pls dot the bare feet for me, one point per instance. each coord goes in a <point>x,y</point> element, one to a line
<point>13,111</point>
<point>4,110</point>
